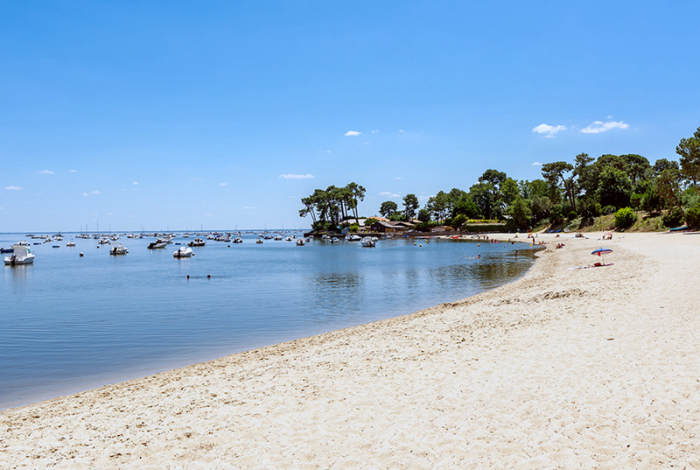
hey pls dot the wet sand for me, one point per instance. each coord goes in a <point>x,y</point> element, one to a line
<point>564,368</point>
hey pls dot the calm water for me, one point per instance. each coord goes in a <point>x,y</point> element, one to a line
<point>69,323</point>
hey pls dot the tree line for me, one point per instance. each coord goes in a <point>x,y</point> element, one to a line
<point>586,188</point>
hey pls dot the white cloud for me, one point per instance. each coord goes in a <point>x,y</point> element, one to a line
<point>223,184</point>
<point>45,172</point>
<point>249,208</point>
<point>537,164</point>
<point>328,151</point>
<point>547,130</point>
<point>72,171</point>
<point>195,178</point>
<point>85,194</point>
<point>94,192</point>
<point>2,208</point>
<point>375,131</point>
<point>424,198</point>
<point>109,213</point>
<point>352,133</point>
<point>13,188</point>
<point>397,178</point>
<point>402,131</point>
<point>599,126</point>
<point>136,183</point>
<point>389,194</point>
<point>296,177</point>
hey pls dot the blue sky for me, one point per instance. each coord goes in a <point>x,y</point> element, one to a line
<point>225,114</point>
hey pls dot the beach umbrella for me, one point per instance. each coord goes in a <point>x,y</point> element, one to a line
<point>601,252</point>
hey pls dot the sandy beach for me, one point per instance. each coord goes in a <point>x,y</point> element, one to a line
<point>564,368</point>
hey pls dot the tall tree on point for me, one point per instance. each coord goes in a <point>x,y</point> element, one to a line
<point>689,151</point>
<point>555,172</point>
<point>410,203</point>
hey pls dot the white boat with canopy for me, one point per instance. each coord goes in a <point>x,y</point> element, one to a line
<point>22,254</point>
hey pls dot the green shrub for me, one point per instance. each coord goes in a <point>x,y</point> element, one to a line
<point>673,218</point>
<point>572,215</point>
<point>354,228</point>
<point>692,216</point>
<point>458,221</point>
<point>625,217</point>
<point>609,210</point>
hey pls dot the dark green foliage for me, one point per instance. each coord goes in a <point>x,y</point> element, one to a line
<point>458,221</point>
<point>388,208</point>
<point>424,215</point>
<point>410,202</point>
<point>520,212</point>
<point>370,221</point>
<point>467,207</point>
<point>615,187</point>
<point>673,217</point>
<point>689,152</point>
<point>692,216</point>
<point>572,215</point>
<point>607,210</point>
<point>625,218</point>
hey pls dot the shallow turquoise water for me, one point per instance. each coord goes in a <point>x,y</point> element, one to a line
<point>70,323</point>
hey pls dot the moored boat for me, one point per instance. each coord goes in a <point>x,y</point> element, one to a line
<point>183,252</point>
<point>197,242</point>
<point>367,242</point>
<point>118,249</point>
<point>21,255</point>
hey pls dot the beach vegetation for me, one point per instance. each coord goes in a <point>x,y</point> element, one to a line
<point>689,152</point>
<point>673,217</point>
<point>458,221</point>
<point>625,218</point>
<point>410,204</point>
<point>692,216</point>
<point>388,208</point>
<point>520,213</point>
<point>572,193</point>
<point>424,215</point>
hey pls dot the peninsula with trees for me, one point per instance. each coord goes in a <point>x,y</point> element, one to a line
<point>619,191</point>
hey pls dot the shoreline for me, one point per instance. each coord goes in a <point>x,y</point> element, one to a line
<point>493,380</point>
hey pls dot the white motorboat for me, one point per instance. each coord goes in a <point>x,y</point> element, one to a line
<point>118,249</point>
<point>70,243</point>
<point>278,238</point>
<point>335,240</point>
<point>300,242</point>
<point>183,252</point>
<point>259,240</point>
<point>289,239</point>
<point>157,245</point>
<point>351,237</point>
<point>238,240</point>
<point>367,242</point>
<point>104,241</point>
<point>197,242</point>
<point>21,255</point>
